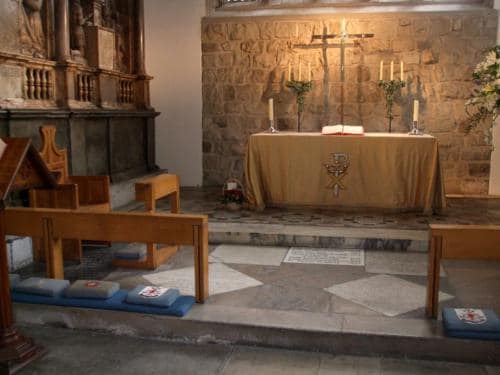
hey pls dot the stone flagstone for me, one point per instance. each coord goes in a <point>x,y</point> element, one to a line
<point>258,255</point>
<point>221,279</point>
<point>394,263</point>
<point>325,256</point>
<point>385,294</point>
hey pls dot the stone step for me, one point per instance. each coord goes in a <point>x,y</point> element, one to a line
<point>296,330</point>
<point>318,236</point>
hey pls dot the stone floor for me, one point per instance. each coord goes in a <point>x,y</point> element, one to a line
<point>459,211</point>
<point>388,283</point>
<point>82,352</point>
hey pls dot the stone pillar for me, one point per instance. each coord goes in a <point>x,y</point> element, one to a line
<point>141,56</point>
<point>62,30</point>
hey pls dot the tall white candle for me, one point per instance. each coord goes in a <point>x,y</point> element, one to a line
<point>271,109</point>
<point>381,75</point>
<point>309,71</point>
<point>402,72</point>
<point>300,71</point>
<point>415,110</point>
<point>392,71</point>
<point>343,27</point>
<point>289,71</point>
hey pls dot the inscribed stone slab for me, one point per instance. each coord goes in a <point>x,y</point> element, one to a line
<point>258,255</point>
<point>397,263</point>
<point>221,279</point>
<point>325,256</point>
<point>386,294</point>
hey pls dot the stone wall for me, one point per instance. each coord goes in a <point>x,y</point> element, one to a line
<point>245,62</point>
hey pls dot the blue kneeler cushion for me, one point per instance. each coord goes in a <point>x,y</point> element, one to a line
<point>179,306</point>
<point>471,323</point>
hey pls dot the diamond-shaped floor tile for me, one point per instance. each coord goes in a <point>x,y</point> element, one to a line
<point>221,279</point>
<point>258,255</point>
<point>385,294</point>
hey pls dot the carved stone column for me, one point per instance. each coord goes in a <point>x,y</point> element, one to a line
<point>141,56</point>
<point>62,30</point>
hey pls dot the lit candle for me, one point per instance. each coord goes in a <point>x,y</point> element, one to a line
<point>271,109</point>
<point>309,71</point>
<point>343,29</point>
<point>381,75</point>
<point>300,71</point>
<point>402,72</point>
<point>415,111</point>
<point>289,71</point>
<point>392,71</point>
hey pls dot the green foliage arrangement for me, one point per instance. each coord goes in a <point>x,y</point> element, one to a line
<point>485,100</point>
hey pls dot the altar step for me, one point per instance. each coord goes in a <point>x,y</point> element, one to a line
<point>295,330</point>
<point>318,236</point>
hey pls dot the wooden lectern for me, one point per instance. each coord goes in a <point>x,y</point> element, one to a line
<point>21,167</point>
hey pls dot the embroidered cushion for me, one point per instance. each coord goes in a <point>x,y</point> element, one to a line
<point>152,295</point>
<point>42,286</point>
<point>471,323</point>
<point>14,279</point>
<point>92,289</point>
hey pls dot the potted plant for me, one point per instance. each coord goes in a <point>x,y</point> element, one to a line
<point>484,103</point>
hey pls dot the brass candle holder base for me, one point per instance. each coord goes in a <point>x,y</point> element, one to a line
<point>415,130</point>
<point>272,129</point>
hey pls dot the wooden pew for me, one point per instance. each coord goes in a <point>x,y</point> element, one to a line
<point>149,190</point>
<point>53,225</point>
<point>86,193</point>
<point>473,242</point>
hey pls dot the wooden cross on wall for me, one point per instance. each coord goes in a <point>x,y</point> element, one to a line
<point>344,38</point>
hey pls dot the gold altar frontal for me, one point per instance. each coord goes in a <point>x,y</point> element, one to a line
<point>377,170</point>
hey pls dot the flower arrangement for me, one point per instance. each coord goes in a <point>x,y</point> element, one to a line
<point>300,88</point>
<point>485,99</point>
<point>233,196</point>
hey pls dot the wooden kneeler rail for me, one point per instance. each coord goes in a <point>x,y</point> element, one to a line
<point>53,225</point>
<point>447,241</point>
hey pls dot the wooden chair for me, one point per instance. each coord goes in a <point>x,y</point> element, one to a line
<point>149,190</point>
<point>82,193</point>
<point>474,242</point>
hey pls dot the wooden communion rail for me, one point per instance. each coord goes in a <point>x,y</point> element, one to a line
<point>53,225</point>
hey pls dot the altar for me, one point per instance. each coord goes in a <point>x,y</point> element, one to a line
<point>377,170</point>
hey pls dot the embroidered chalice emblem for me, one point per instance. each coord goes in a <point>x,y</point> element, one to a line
<point>337,170</point>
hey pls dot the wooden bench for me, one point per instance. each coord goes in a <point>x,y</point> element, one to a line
<point>85,193</point>
<point>149,190</point>
<point>473,242</point>
<point>53,225</point>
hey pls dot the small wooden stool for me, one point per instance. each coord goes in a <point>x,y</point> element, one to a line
<point>149,190</point>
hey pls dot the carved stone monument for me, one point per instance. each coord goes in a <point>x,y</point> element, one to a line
<point>31,28</point>
<point>79,64</point>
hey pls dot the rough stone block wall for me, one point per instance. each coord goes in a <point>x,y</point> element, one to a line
<point>245,62</point>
